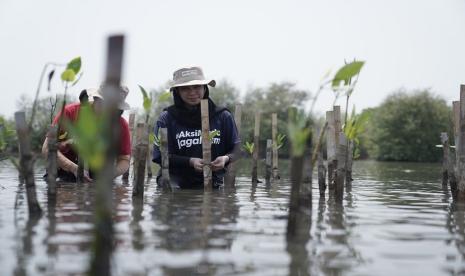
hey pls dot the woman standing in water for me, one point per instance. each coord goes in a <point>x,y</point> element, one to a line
<point>183,123</point>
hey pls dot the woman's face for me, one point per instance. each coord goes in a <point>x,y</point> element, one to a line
<point>191,95</point>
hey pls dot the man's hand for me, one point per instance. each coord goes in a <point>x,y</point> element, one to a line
<point>219,162</point>
<point>196,163</point>
<point>85,177</point>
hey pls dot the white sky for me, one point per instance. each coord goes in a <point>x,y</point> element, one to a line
<point>405,43</point>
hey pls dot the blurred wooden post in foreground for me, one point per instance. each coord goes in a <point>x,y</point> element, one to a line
<point>230,176</point>
<point>256,141</point>
<point>132,118</point>
<point>52,160</point>
<point>103,224</point>
<point>140,154</point>
<point>165,163</point>
<point>206,146</point>
<point>26,163</point>
<point>274,135</point>
<point>460,148</point>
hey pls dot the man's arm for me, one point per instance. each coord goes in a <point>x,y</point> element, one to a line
<point>62,161</point>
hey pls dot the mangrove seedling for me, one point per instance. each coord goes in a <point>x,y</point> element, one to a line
<point>248,147</point>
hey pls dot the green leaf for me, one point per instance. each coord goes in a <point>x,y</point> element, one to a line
<point>88,133</point>
<point>68,75</point>
<point>164,97</point>
<point>347,72</point>
<point>249,147</point>
<point>75,65</point>
<point>147,103</point>
<point>213,134</point>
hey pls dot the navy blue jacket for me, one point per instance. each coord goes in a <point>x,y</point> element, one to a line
<point>185,142</point>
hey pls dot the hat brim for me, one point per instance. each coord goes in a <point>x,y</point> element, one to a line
<point>212,83</point>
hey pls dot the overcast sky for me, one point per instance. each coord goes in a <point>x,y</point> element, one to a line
<point>405,43</point>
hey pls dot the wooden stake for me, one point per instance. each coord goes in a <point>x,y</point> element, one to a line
<point>296,179</point>
<point>26,163</point>
<point>460,148</point>
<point>274,135</point>
<point>269,143</point>
<point>139,160</point>
<point>445,158</point>
<point>350,162</point>
<point>256,141</point>
<point>165,173</point>
<point>230,176</point>
<point>132,118</point>
<point>331,148</point>
<point>206,146</point>
<point>341,167</point>
<point>321,173</point>
<point>103,224</point>
<point>52,160</point>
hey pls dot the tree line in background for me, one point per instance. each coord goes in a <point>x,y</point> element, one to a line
<point>404,127</point>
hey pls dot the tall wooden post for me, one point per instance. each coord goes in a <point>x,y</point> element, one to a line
<point>230,176</point>
<point>460,148</point>
<point>274,135</point>
<point>52,160</point>
<point>139,160</point>
<point>132,118</point>
<point>206,146</point>
<point>165,173</point>
<point>26,163</point>
<point>269,143</point>
<point>256,141</point>
<point>103,224</point>
<point>453,160</point>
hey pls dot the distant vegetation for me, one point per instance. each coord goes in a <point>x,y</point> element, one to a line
<point>405,127</point>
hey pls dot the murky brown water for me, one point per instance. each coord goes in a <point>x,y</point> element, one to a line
<point>396,220</point>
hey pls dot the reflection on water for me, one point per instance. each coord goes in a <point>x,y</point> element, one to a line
<point>395,220</point>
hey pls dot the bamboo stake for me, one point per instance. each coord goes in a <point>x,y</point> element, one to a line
<point>165,173</point>
<point>132,118</point>
<point>445,158</point>
<point>206,146</point>
<point>331,148</point>
<point>139,160</point>
<point>52,160</point>
<point>256,140</point>
<point>321,173</point>
<point>341,167</point>
<point>26,162</point>
<point>230,176</point>
<point>296,179</point>
<point>350,162</point>
<point>269,143</point>
<point>274,135</point>
<point>460,148</point>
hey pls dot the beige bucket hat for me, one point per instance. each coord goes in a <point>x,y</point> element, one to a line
<point>123,93</point>
<point>190,76</point>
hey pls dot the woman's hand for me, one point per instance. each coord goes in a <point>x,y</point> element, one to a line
<point>219,162</point>
<point>196,163</point>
